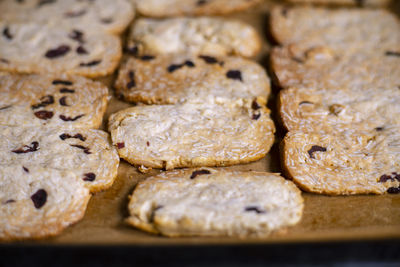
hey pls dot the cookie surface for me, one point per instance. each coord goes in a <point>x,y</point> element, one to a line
<point>344,163</point>
<point>345,30</point>
<point>51,100</point>
<point>345,2</point>
<point>168,79</point>
<point>38,202</point>
<point>322,67</point>
<point>100,15</point>
<point>168,8</point>
<point>193,134</point>
<point>86,153</point>
<point>213,202</point>
<point>326,110</point>
<point>36,48</point>
<point>203,35</point>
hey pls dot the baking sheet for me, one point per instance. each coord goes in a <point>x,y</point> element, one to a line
<point>325,218</point>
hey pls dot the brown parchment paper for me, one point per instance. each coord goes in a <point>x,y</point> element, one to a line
<point>325,218</point>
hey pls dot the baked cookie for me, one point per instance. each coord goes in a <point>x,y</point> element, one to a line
<point>359,3</point>
<point>327,110</point>
<point>86,153</point>
<point>36,48</point>
<point>323,68</point>
<point>211,133</point>
<point>200,36</point>
<point>345,30</point>
<point>344,162</point>
<point>51,100</point>
<point>100,15</point>
<point>213,202</point>
<point>172,8</point>
<point>168,79</point>
<point>38,202</point>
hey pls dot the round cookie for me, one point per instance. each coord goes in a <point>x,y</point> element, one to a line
<point>172,8</point>
<point>213,202</point>
<point>39,48</point>
<point>190,134</point>
<point>169,79</point>
<point>39,202</point>
<point>202,35</point>
<point>101,15</point>
<point>51,101</point>
<point>86,153</point>
<point>344,163</point>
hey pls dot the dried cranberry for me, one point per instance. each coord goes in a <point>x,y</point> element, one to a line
<point>234,74</point>
<point>147,143</point>
<point>67,91</point>
<point>256,116</point>
<point>120,145</point>
<point>208,59</point>
<point>5,107</point>
<point>26,149</point>
<point>132,50</point>
<point>57,52</point>
<point>394,190</point>
<point>85,149</point>
<point>147,57</point>
<point>392,53</point>
<point>76,136</point>
<point>6,33</point>
<point>315,149</point>
<point>55,82</point>
<point>44,101</point>
<point>90,64</point>
<point>131,82</point>
<point>255,105</point>
<point>63,101</point>
<point>385,178</point>
<point>76,35</point>
<point>81,50</point>
<point>256,209</point>
<point>89,177</point>
<point>65,118</point>
<point>39,198</point>
<point>199,172</point>
<point>44,114</point>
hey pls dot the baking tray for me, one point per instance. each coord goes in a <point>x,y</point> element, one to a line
<point>325,218</point>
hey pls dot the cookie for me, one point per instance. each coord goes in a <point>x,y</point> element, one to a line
<point>203,35</point>
<point>359,3</point>
<point>193,133</point>
<point>86,153</point>
<point>51,100</point>
<point>38,202</point>
<point>213,202</point>
<point>172,8</point>
<point>344,30</point>
<point>323,68</point>
<point>100,15</point>
<point>312,110</point>
<point>169,79</point>
<point>344,162</point>
<point>36,48</point>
